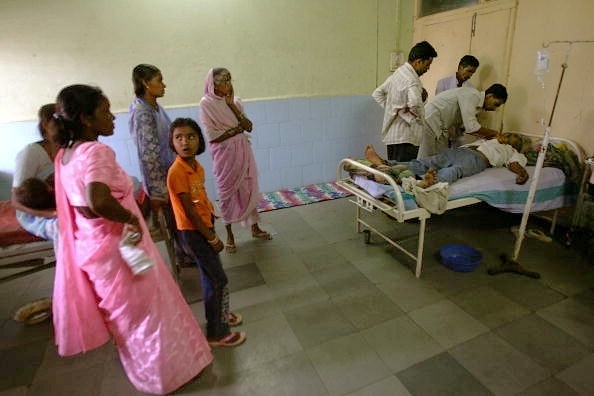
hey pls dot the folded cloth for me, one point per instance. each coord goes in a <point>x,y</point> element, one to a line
<point>433,198</point>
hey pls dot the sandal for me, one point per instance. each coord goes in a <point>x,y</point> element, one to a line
<point>261,234</point>
<point>538,234</point>
<point>235,319</point>
<point>230,248</point>
<point>232,339</point>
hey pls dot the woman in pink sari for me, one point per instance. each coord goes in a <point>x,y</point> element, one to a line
<point>96,295</point>
<point>234,166</point>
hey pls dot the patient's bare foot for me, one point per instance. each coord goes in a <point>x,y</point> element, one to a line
<point>372,156</point>
<point>380,179</point>
<point>429,179</point>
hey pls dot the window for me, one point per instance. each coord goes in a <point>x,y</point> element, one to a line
<point>429,7</point>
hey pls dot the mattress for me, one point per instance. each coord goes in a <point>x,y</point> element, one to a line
<point>497,187</point>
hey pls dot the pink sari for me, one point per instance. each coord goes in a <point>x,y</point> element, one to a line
<point>234,165</point>
<point>96,296</point>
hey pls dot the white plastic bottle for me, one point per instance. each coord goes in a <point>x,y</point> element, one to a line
<point>133,255</point>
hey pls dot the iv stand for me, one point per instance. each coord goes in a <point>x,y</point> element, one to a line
<point>512,265</point>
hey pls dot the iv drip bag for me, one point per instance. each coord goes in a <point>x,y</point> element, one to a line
<point>542,64</point>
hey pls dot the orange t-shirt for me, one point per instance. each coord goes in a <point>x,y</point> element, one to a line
<point>181,178</point>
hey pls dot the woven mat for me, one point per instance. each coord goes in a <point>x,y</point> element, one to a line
<point>301,196</point>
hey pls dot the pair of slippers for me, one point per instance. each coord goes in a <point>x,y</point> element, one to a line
<point>232,339</point>
<point>532,233</point>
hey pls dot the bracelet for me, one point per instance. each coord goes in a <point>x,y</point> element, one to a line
<point>241,117</point>
<point>213,241</point>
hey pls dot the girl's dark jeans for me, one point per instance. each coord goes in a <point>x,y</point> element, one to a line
<point>214,282</point>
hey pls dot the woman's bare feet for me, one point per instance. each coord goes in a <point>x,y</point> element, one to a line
<point>429,179</point>
<point>372,156</point>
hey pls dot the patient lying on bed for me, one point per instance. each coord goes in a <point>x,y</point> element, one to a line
<point>453,164</point>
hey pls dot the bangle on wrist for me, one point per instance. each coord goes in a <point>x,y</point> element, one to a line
<point>241,117</point>
<point>213,241</point>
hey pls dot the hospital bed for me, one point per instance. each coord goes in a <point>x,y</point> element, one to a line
<point>22,253</point>
<point>557,187</point>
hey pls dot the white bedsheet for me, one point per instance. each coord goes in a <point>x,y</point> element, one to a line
<point>497,187</point>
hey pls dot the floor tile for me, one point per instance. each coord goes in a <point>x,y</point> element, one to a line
<point>381,268</point>
<point>387,386</point>
<point>297,292</point>
<point>341,279</point>
<point>574,317</point>
<point>366,307</point>
<point>80,381</point>
<point>528,292</point>
<point>441,375</point>
<point>449,282</point>
<point>19,391</point>
<point>244,277</point>
<point>13,333</point>
<point>279,270</point>
<point>488,306</point>
<point>411,293</point>
<point>447,323</point>
<point>18,365</point>
<point>267,339</point>
<point>115,381</point>
<point>545,343</point>
<point>549,387</point>
<point>321,257</point>
<point>292,375</point>
<point>253,297</point>
<point>317,323</point>
<point>347,363</point>
<point>579,376</point>
<point>497,365</point>
<point>400,343</point>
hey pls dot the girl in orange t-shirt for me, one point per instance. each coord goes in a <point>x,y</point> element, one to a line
<point>194,217</point>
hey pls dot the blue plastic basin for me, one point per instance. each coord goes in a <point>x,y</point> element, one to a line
<point>461,258</point>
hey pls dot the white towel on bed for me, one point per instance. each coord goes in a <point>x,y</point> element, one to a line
<point>374,188</point>
<point>433,198</point>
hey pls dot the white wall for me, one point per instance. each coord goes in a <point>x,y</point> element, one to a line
<point>542,21</point>
<point>274,48</point>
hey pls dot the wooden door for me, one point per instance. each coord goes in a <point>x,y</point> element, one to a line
<point>484,31</point>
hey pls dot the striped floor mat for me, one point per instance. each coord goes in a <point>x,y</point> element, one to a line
<point>301,196</point>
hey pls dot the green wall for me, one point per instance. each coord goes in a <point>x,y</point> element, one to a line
<point>274,48</point>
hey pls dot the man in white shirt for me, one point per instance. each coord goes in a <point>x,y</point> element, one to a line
<point>466,68</point>
<point>458,107</point>
<point>401,98</point>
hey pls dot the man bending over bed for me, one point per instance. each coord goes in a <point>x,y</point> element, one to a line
<point>453,164</point>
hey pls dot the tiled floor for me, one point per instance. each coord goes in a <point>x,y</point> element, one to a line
<point>326,314</point>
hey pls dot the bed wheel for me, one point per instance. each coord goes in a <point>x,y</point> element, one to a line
<point>367,236</point>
